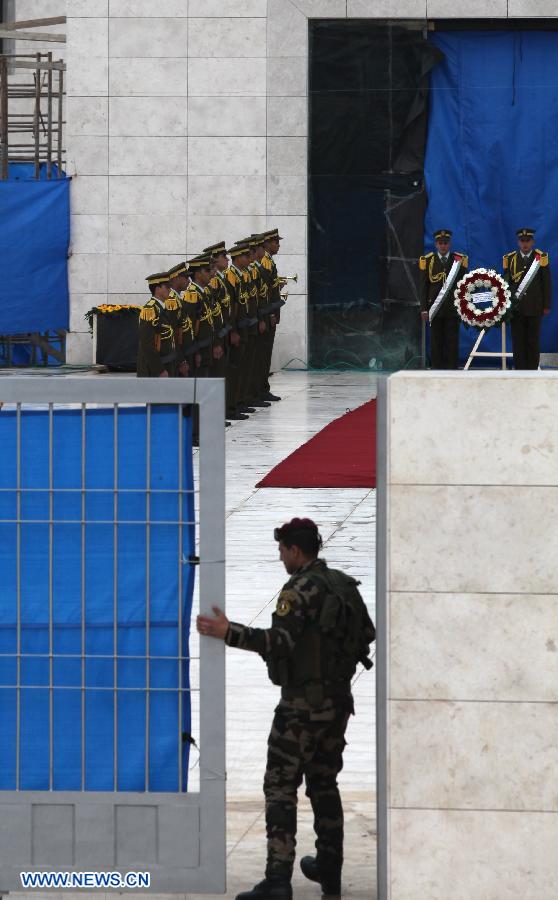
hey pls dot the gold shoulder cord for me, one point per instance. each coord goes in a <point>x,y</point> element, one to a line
<point>441,276</point>
<point>516,276</point>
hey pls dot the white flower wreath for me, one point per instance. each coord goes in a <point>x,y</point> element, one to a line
<point>490,283</point>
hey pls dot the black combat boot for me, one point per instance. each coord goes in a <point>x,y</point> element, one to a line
<point>269,889</point>
<point>330,881</point>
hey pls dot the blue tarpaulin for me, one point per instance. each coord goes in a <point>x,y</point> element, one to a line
<point>491,162</point>
<point>97,573</point>
<point>34,241</point>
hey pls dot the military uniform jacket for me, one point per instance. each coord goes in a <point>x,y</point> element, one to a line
<point>247,299</point>
<point>156,349</point>
<point>433,273</point>
<point>189,318</point>
<point>538,295</point>
<point>183,325</point>
<point>274,292</point>
<point>204,316</point>
<point>300,610</point>
<point>222,308</point>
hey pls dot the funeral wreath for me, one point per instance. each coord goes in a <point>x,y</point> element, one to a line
<point>482,298</point>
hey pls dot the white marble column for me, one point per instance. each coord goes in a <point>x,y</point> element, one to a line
<point>472,673</point>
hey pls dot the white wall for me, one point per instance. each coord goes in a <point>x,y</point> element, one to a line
<point>187,124</point>
<point>472,674</point>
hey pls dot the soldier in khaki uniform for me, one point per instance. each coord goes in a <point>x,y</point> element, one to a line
<point>157,357</point>
<point>434,268</point>
<point>200,275</point>
<point>271,246</point>
<point>534,303</point>
<point>183,326</point>
<point>320,630</point>
<point>224,310</point>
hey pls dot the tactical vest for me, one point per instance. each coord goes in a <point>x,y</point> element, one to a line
<point>326,654</point>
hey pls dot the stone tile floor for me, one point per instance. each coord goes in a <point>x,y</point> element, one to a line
<point>254,577</point>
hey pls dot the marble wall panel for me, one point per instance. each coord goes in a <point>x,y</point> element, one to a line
<point>164,38</point>
<point>135,77</point>
<point>149,234</point>
<point>83,8</point>
<point>546,8</point>
<point>227,156</point>
<point>293,230</point>
<point>243,195</point>
<point>292,265</point>
<point>287,29</point>
<point>86,116</point>
<point>293,315</point>
<point>287,155</point>
<point>473,539</point>
<point>87,155</point>
<point>145,194</point>
<point>449,855</point>
<point>233,116</point>
<point>322,9</point>
<point>287,195</point>
<point>152,156</point>
<point>135,8</point>
<point>217,8</point>
<point>492,647</point>
<point>204,230</point>
<point>82,303</point>
<point>148,117</point>
<point>88,273</point>
<point>287,116</point>
<point>289,345</point>
<point>89,234</point>
<point>483,756</point>
<point>127,272</point>
<point>226,78</point>
<point>233,37</point>
<point>89,194</point>
<point>86,77</point>
<point>371,9</point>
<point>79,348</point>
<point>463,9</point>
<point>287,76</point>
<point>465,447</point>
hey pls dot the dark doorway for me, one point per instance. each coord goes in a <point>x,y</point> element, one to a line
<point>368,121</point>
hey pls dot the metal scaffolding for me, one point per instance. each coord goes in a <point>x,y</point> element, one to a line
<point>32,102</point>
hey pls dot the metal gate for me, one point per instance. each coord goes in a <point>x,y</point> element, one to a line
<point>178,837</point>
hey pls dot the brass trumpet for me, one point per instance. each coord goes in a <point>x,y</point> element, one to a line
<point>285,278</point>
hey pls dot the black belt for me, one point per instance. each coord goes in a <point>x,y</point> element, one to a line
<point>224,331</point>
<point>331,690</point>
<point>247,323</point>
<point>265,310</point>
<point>170,357</point>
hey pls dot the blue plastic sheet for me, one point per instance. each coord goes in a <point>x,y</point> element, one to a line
<point>491,161</point>
<point>34,241</point>
<point>116,564</point>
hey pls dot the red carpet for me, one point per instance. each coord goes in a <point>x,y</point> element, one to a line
<point>343,454</point>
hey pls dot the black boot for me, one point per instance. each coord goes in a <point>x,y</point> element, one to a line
<point>330,882</point>
<point>269,889</point>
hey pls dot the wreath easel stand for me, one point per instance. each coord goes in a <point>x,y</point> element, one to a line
<point>502,354</point>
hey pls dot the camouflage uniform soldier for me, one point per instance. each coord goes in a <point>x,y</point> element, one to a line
<point>319,631</point>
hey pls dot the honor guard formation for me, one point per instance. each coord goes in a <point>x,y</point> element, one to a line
<point>525,264</point>
<point>214,318</point>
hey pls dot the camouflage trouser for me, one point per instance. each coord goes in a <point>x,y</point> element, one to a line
<point>305,741</point>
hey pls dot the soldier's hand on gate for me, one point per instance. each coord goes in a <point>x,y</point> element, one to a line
<point>262,327</point>
<point>164,374</point>
<point>184,368</point>
<point>216,627</point>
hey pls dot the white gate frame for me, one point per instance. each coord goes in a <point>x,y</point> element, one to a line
<point>190,828</point>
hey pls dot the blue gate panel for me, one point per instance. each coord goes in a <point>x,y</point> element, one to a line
<point>95,594</point>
